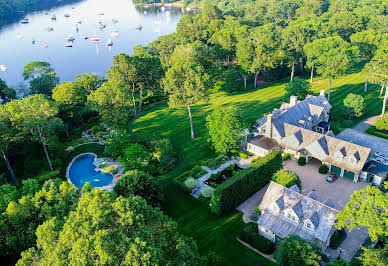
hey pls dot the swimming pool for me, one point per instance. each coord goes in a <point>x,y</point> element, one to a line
<point>82,170</point>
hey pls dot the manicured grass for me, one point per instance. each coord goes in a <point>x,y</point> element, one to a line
<point>96,148</point>
<point>174,123</point>
<point>212,233</point>
<point>378,133</point>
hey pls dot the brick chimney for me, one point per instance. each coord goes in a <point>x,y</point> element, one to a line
<point>293,100</point>
<point>322,93</point>
<point>268,130</point>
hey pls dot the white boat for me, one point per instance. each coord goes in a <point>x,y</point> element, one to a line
<point>115,34</point>
<point>70,38</point>
<point>139,27</point>
<point>109,42</point>
<point>69,44</point>
<point>100,25</point>
<point>44,45</point>
<point>49,29</point>
<point>19,36</point>
<point>163,9</point>
<point>94,39</point>
<point>115,20</point>
<point>54,17</point>
<point>3,68</point>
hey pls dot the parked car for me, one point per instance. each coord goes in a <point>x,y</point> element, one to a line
<point>331,178</point>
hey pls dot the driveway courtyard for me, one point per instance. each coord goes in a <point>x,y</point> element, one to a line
<point>337,192</point>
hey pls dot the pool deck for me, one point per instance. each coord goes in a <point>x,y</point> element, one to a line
<point>95,163</point>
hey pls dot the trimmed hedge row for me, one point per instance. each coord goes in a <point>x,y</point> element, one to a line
<point>245,183</point>
<point>250,235</point>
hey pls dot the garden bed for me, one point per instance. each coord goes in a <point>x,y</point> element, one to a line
<point>220,177</point>
<point>378,133</point>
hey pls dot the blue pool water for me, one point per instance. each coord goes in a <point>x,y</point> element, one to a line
<point>82,171</point>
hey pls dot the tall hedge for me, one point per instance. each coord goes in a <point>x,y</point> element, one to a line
<point>240,187</point>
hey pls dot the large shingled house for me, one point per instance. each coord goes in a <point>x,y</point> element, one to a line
<point>302,129</point>
<point>286,211</point>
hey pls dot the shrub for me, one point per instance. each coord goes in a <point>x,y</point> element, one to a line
<point>203,199</point>
<point>190,183</point>
<point>339,262</point>
<point>110,168</point>
<point>323,169</point>
<point>239,154</point>
<point>287,178</point>
<point>215,176</point>
<point>230,167</point>
<point>165,154</point>
<point>250,235</point>
<point>302,161</point>
<point>245,183</point>
<point>197,172</point>
<point>215,162</point>
<point>258,210</point>
<point>337,238</point>
<point>286,156</point>
<point>207,192</point>
<point>354,105</point>
<point>382,123</point>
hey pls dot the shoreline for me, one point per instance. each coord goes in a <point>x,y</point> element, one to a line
<point>175,4</point>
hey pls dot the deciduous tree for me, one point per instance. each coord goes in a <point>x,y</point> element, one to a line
<point>298,87</point>
<point>41,76</point>
<point>354,105</point>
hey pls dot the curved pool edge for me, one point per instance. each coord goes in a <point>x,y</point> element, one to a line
<point>108,187</point>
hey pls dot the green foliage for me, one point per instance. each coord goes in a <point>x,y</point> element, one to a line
<point>337,238</point>
<point>287,178</point>
<point>196,172</point>
<point>190,183</point>
<point>69,93</point>
<point>302,161</point>
<point>323,169</point>
<point>19,221</point>
<point>140,184</point>
<point>135,157</point>
<point>373,131</point>
<point>250,235</point>
<point>298,87</point>
<point>225,129</point>
<point>8,193</point>
<point>375,256</point>
<point>89,82</point>
<point>237,189</point>
<point>5,91</point>
<point>116,142</point>
<point>339,262</point>
<point>41,76</point>
<point>307,255</point>
<point>141,235</point>
<point>239,154</point>
<point>164,152</point>
<point>382,123</point>
<point>367,207</point>
<point>257,210</point>
<point>110,168</point>
<point>354,105</point>
<point>207,192</point>
<point>214,162</point>
<point>286,156</point>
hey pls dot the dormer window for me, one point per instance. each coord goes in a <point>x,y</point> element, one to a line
<point>308,225</point>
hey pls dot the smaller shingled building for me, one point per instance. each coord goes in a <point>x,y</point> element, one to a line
<point>286,211</point>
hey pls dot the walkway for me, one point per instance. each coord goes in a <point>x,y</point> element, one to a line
<point>248,206</point>
<point>366,123</point>
<point>200,181</point>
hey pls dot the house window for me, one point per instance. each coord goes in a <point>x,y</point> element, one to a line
<point>290,216</point>
<point>308,225</point>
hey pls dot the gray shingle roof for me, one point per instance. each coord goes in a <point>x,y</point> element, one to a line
<point>295,188</point>
<point>280,203</point>
<point>321,215</point>
<point>312,195</point>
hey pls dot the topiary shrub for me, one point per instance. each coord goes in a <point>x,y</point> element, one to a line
<point>287,178</point>
<point>207,192</point>
<point>190,183</point>
<point>257,210</point>
<point>302,161</point>
<point>337,238</point>
<point>245,183</point>
<point>286,156</point>
<point>323,169</point>
<point>250,235</point>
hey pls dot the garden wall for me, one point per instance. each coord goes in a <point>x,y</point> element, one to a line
<point>240,187</point>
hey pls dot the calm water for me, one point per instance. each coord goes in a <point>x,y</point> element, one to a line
<point>82,171</point>
<point>16,48</point>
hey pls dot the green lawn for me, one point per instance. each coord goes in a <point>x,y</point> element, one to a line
<point>378,133</point>
<point>214,233</point>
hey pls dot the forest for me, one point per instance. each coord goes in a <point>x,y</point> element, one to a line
<point>227,49</point>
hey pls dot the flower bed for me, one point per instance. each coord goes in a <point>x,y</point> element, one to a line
<point>220,177</point>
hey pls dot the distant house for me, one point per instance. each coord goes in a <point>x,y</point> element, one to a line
<point>286,211</point>
<point>302,129</point>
